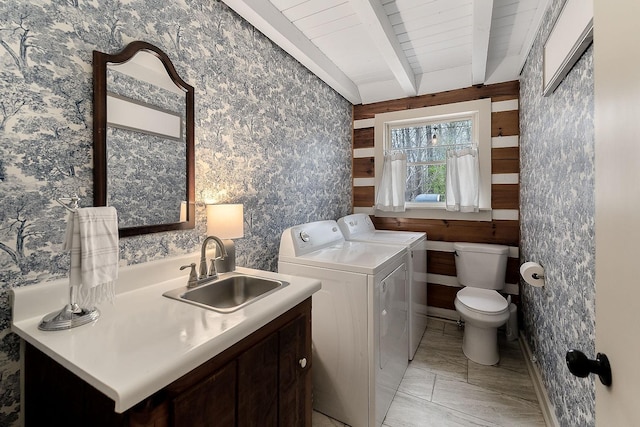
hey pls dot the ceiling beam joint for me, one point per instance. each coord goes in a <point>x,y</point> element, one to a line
<point>482,12</point>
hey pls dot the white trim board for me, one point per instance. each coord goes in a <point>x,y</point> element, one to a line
<point>363,123</point>
<point>548,411</point>
<point>499,178</point>
<point>359,153</point>
<point>509,105</point>
<point>452,281</point>
<point>497,214</point>
<point>435,245</point>
<point>505,141</point>
<point>505,214</point>
<point>505,178</point>
<point>364,182</point>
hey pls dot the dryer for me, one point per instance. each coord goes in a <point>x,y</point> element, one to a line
<point>360,228</point>
<point>359,319</point>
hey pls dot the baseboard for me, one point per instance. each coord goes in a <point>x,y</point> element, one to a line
<point>546,406</point>
<point>443,313</point>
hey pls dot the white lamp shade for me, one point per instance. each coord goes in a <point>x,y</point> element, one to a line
<point>225,221</point>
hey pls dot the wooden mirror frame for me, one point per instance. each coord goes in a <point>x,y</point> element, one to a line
<point>100,61</point>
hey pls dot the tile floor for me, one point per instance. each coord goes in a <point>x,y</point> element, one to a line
<point>441,387</point>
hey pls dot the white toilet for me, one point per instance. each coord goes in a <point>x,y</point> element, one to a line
<point>481,269</point>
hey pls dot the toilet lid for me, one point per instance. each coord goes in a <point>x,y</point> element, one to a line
<point>482,300</point>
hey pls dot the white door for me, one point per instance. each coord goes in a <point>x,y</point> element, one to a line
<point>617,127</point>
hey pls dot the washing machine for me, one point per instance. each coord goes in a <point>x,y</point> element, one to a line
<point>360,228</point>
<point>359,319</point>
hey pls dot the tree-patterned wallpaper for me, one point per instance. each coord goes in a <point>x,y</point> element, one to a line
<point>269,134</point>
<point>557,224</point>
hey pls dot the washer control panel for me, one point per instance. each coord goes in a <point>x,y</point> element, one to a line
<point>308,237</point>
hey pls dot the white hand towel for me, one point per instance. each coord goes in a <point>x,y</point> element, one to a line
<point>92,238</point>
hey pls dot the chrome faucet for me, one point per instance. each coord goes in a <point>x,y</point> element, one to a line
<point>212,273</point>
<point>205,276</point>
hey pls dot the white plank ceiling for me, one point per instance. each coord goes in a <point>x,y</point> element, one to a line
<point>376,50</point>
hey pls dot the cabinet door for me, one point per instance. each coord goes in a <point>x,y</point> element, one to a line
<point>258,384</point>
<point>208,403</point>
<point>295,373</point>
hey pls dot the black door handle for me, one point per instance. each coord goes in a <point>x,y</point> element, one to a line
<point>581,366</point>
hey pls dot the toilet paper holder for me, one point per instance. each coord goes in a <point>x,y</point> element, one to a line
<point>533,274</point>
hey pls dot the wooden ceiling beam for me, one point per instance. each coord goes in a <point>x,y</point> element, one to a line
<point>377,24</point>
<point>272,23</point>
<point>482,11</point>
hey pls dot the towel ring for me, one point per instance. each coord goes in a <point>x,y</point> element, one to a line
<point>65,201</point>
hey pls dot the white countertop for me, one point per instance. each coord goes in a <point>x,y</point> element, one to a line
<point>144,341</point>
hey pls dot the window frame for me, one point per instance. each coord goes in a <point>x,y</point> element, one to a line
<point>479,111</point>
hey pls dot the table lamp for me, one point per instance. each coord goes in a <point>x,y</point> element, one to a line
<point>226,221</point>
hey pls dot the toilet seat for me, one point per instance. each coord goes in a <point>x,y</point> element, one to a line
<point>483,301</point>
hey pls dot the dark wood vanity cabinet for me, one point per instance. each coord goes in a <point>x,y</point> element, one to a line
<point>294,389</point>
<point>211,399</point>
<point>263,380</point>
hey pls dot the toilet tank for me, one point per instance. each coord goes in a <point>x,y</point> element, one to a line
<point>481,265</point>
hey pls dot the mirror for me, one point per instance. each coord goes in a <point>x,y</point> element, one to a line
<point>143,140</point>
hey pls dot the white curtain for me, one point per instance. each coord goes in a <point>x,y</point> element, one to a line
<point>390,197</point>
<point>463,180</point>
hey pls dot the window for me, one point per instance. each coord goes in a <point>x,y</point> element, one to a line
<point>425,145</point>
<point>425,135</point>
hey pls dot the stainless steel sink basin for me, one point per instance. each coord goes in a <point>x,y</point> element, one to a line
<point>228,293</point>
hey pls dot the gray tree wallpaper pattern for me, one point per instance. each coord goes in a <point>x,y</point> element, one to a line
<point>269,134</point>
<point>557,209</point>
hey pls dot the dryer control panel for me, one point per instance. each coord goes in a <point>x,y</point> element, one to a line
<point>354,224</point>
